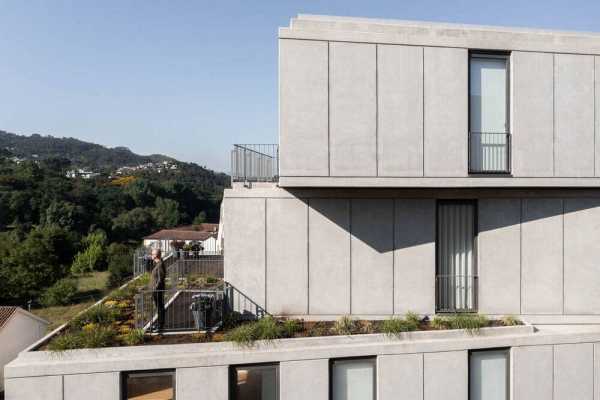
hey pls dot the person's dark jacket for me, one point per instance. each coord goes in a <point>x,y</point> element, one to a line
<point>157,276</point>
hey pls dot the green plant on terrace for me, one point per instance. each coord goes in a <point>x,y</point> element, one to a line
<point>469,322</point>
<point>344,325</point>
<point>510,320</point>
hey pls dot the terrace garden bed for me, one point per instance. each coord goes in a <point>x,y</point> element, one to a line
<point>112,323</point>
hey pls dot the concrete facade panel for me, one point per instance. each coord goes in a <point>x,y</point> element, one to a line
<point>244,263</point>
<point>597,114</point>
<point>532,372</point>
<point>574,371</point>
<point>352,109</point>
<point>103,386</point>
<point>300,380</point>
<point>499,256</point>
<point>446,375</point>
<point>372,270</point>
<point>532,114</point>
<point>574,115</point>
<point>204,382</point>
<point>303,108</point>
<point>542,256</point>
<point>446,111</point>
<point>287,256</point>
<point>329,256</point>
<point>400,374</point>
<point>582,252</point>
<point>400,110</point>
<point>414,256</point>
<point>34,388</point>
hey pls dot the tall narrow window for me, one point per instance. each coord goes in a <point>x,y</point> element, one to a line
<point>489,136</point>
<point>353,379</point>
<point>255,382</point>
<point>488,375</point>
<point>456,280</point>
<point>155,385</point>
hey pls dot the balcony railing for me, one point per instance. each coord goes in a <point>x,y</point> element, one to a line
<point>456,293</point>
<point>255,163</point>
<point>489,153</point>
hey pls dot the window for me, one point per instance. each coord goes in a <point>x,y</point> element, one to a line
<point>488,375</point>
<point>489,136</point>
<point>149,385</point>
<point>456,276</point>
<point>255,382</point>
<point>353,379</point>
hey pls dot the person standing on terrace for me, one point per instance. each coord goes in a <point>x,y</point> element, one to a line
<point>157,284</point>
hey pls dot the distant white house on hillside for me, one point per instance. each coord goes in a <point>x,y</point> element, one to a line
<point>18,330</point>
<point>204,236</point>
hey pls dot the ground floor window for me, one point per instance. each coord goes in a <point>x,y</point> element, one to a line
<point>255,382</point>
<point>489,375</point>
<point>353,379</point>
<point>149,385</point>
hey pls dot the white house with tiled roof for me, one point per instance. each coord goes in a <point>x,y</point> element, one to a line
<point>18,330</point>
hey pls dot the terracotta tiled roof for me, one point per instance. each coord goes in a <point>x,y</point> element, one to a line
<point>189,232</point>
<point>5,313</point>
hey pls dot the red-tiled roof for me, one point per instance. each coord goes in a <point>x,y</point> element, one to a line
<point>189,232</point>
<point>5,313</point>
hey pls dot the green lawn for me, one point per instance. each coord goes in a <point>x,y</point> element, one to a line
<point>92,287</point>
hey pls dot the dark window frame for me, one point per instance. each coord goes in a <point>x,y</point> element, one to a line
<point>332,362</point>
<point>493,54</point>
<point>124,375</point>
<point>475,204</point>
<point>508,364</point>
<point>233,376</point>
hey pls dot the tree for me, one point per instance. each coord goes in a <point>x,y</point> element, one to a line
<point>63,214</point>
<point>30,265</point>
<point>133,224</point>
<point>166,213</point>
<point>200,218</point>
<point>120,264</point>
<point>93,257</point>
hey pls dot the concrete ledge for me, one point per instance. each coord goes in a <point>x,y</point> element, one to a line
<point>219,354</point>
<point>436,182</point>
<point>418,33</point>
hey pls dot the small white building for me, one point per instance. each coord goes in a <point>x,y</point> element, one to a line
<point>205,235</point>
<point>19,329</point>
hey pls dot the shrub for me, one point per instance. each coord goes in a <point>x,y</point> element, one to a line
<point>91,337</point>
<point>469,322</point>
<point>344,326</point>
<point>510,320</point>
<point>100,314</point>
<point>211,280</point>
<point>243,335</point>
<point>134,337</point>
<point>439,323</point>
<point>59,294</point>
<point>290,327</point>
<point>394,326</point>
<point>267,329</point>
<point>413,319</point>
<point>119,258</point>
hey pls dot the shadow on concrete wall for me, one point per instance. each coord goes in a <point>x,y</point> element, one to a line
<point>386,222</point>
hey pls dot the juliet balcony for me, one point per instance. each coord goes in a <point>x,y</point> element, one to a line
<point>255,163</point>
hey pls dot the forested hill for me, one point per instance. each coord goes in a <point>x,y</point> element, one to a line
<point>80,153</point>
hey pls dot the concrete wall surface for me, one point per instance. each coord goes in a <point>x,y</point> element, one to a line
<point>420,365</point>
<point>392,102</point>
<point>373,253</point>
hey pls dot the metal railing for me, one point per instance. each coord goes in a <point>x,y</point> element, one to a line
<point>190,269</point>
<point>185,261</point>
<point>456,293</point>
<point>186,310</point>
<point>255,163</point>
<point>489,152</point>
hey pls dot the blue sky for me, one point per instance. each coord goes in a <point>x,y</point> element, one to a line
<point>188,78</point>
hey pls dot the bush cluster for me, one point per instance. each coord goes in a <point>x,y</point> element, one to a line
<point>266,328</point>
<point>61,293</point>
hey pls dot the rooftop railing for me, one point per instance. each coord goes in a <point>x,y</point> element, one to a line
<point>489,153</point>
<point>255,163</point>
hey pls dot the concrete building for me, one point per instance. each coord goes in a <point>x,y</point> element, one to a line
<point>19,329</point>
<point>421,167</point>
